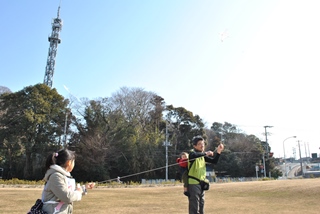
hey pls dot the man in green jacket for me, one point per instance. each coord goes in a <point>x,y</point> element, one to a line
<point>197,171</point>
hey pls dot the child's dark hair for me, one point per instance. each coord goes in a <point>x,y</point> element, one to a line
<point>60,158</point>
<point>196,139</point>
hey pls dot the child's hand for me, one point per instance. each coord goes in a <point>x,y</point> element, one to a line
<point>90,185</point>
<point>79,189</point>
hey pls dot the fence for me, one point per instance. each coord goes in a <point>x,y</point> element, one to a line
<point>157,181</point>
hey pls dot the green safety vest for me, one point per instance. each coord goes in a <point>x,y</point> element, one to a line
<point>197,169</point>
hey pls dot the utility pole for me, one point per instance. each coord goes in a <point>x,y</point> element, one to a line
<point>264,164</point>
<point>166,144</point>
<point>266,150</point>
<point>65,131</point>
<point>300,158</point>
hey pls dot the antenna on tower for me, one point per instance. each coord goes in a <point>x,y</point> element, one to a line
<point>58,14</point>
<point>54,40</point>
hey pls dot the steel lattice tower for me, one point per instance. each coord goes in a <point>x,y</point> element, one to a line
<point>54,40</point>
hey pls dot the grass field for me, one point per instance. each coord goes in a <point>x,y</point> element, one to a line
<point>280,196</point>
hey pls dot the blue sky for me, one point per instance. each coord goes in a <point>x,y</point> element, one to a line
<point>263,73</point>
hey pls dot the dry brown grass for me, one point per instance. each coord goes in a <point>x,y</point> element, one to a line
<point>286,196</point>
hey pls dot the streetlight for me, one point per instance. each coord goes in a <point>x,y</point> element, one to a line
<point>284,156</point>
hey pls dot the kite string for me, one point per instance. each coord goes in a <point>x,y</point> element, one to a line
<point>126,176</point>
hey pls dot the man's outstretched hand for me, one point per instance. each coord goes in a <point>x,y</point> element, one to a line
<point>90,185</point>
<point>220,148</point>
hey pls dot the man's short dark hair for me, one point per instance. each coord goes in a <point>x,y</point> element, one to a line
<point>196,139</point>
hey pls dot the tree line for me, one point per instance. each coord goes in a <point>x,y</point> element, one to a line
<point>121,135</point>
